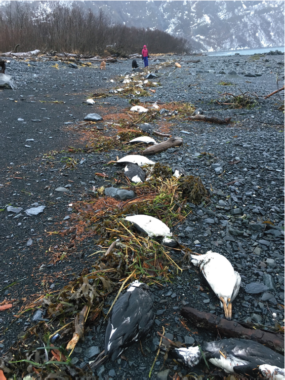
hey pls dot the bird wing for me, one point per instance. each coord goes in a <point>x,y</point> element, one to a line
<point>131,317</point>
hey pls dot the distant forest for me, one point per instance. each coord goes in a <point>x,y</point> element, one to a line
<point>74,30</point>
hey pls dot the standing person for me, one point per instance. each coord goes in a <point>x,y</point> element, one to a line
<point>145,55</point>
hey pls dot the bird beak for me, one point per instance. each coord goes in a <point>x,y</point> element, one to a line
<point>227,308</point>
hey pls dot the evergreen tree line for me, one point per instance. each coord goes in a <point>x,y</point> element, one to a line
<point>76,30</point>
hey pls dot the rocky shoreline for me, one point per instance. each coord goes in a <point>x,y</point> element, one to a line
<point>240,164</point>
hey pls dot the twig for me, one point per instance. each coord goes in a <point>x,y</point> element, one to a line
<point>164,337</point>
<point>119,292</point>
<point>142,349</point>
<point>60,329</point>
<point>158,351</point>
<point>131,233</point>
<point>274,92</point>
<point>170,259</point>
<point>109,250</point>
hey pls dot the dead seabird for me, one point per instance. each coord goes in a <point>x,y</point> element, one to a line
<point>239,356</point>
<point>135,159</point>
<point>143,139</point>
<point>221,276</point>
<point>139,109</point>
<point>131,318</point>
<point>134,173</point>
<point>153,227</point>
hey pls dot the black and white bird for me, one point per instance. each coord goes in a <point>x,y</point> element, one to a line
<point>221,277</point>
<point>134,173</point>
<point>131,318</point>
<point>240,356</point>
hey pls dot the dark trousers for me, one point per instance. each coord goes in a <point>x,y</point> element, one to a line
<point>145,60</point>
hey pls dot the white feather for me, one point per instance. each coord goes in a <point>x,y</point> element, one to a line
<point>90,101</point>
<point>136,159</point>
<point>219,273</point>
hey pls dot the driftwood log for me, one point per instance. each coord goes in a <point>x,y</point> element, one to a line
<point>170,143</point>
<point>232,329</point>
<point>210,119</point>
<point>274,92</point>
<point>161,134</point>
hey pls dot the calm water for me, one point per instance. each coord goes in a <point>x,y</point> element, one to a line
<point>247,51</point>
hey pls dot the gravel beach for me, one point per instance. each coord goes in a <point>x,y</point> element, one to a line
<point>241,164</point>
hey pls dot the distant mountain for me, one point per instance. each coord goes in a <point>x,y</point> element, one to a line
<point>208,25</point>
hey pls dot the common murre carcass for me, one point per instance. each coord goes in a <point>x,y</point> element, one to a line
<point>131,319</point>
<point>240,356</point>
<point>221,277</point>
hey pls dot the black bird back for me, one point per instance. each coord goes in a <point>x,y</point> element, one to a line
<point>131,318</point>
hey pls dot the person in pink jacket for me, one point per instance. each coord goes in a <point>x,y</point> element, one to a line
<point>145,55</point>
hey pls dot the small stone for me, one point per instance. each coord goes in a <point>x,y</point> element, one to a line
<point>15,210</point>
<point>256,317</point>
<point>29,242</point>
<point>62,189</point>
<point>266,296</point>
<point>268,281</point>
<point>236,211</point>
<point>163,375</point>
<point>112,373</point>
<point>271,263</point>
<point>35,210</point>
<point>37,316</point>
<point>189,339</point>
<point>93,117</point>
<point>91,351</point>
<point>74,360</point>
<point>257,251</point>
<point>255,288</point>
<point>150,76</point>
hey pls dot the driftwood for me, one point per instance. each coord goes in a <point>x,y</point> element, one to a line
<point>274,92</point>
<point>232,329</point>
<point>161,134</point>
<point>170,143</point>
<point>210,119</point>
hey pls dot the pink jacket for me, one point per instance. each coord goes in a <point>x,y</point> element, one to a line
<point>144,51</point>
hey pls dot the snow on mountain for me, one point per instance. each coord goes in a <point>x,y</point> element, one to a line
<point>208,25</point>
